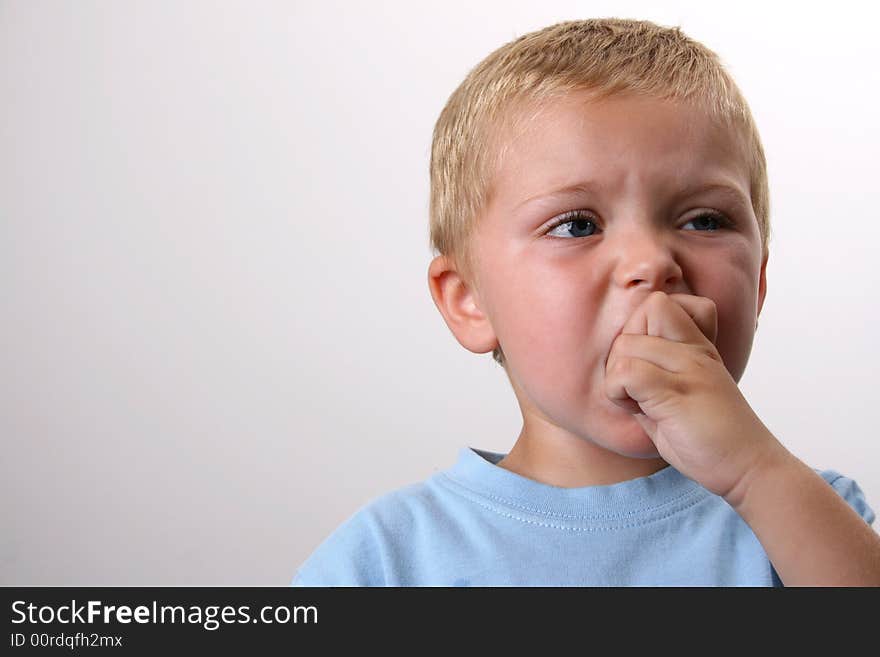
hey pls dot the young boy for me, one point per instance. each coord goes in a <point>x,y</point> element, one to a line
<point>599,200</point>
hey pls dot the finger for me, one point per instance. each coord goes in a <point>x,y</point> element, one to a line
<point>703,312</point>
<point>672,356</point>
<point>629,380</point>
<point>678,317</point>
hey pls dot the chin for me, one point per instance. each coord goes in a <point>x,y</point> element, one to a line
<point>641,452</point>
<point>630,440</point>
<point>647,453</point>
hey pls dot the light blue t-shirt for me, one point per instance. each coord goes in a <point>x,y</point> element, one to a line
<point>477,524</point>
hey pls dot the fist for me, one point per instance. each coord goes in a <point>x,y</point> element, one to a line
<point>664,369</point>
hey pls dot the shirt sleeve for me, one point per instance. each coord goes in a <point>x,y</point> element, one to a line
<point>350,556</point>
<point>850,491</point>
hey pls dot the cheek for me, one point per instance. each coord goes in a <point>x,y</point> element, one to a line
<point>735,292</point>
<point>736,331</point>
<point>546,317</point>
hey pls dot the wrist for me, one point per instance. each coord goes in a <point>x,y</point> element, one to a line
<point>772,462</point>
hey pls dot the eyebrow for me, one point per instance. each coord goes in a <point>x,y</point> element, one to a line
<point>732,192</point>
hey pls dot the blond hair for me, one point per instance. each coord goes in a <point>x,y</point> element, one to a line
<point>606,56</point>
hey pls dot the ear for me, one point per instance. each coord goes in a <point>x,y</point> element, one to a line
<point>762,284</point>
<point>459,303</point>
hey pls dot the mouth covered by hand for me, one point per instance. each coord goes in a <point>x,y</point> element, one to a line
<point>641,320</point>
<point>665,362</point>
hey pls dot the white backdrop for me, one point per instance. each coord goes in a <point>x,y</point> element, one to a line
<point>217,337</point>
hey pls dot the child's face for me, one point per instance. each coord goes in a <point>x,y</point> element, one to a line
<point>556,298</point>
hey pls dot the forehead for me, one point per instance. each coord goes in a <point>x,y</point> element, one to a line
<point>622,143</point>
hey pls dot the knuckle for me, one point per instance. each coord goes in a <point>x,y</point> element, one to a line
<point>680,386</point>
<point>710,306</point>
<point>624,341</point>
<point>711,354</point>
<point>703,352</point>
<point>621,365</point>
<point>704,357</point>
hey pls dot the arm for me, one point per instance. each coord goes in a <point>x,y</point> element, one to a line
<point>812,536</point>
<point>665,361</point>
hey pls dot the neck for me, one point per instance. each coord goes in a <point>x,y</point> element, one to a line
<point>573,462</point>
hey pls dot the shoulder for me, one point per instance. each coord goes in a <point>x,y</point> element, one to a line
<point>360,550</point>
<point>850,491</point>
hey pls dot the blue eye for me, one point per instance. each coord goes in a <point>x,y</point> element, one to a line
<point>710,218</point>
<point>579,221</point>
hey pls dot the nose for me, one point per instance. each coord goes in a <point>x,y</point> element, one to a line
<point>646,261</point>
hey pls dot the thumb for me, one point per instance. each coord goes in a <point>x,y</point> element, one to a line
<point>649,425</point>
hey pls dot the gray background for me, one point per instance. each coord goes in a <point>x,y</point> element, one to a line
<point>217,336</point>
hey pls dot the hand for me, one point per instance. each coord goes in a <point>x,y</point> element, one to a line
<point>665,369</point>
